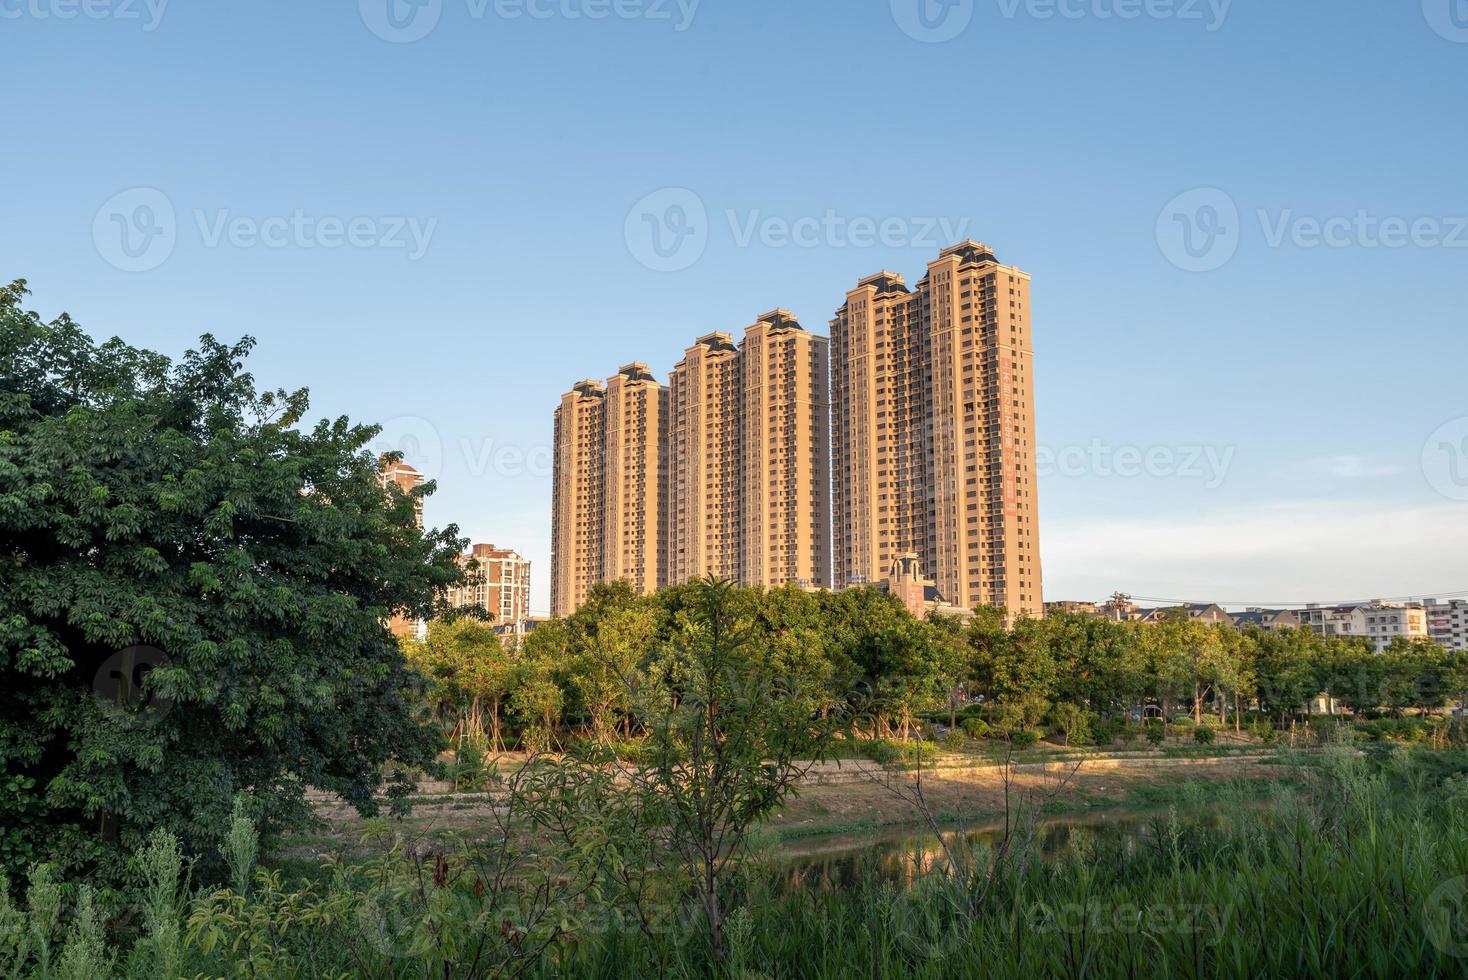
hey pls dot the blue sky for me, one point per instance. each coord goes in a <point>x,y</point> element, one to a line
<point>443,233</point>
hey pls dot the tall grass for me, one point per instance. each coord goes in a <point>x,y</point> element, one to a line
<point>1358,869</point>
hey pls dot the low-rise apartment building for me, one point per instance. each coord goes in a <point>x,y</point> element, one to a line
<point>1447,623</point>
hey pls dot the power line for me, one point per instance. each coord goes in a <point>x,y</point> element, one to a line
<point>1277,604</point>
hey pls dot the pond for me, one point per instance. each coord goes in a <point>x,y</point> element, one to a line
<point>900,855</point>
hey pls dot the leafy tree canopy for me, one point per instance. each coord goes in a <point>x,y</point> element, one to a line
<point>193,597</point>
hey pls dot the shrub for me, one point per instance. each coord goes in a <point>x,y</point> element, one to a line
<point>1126,733</point>
<point>974,727</point>
<point>1025,737</point>
<point>1155,733</point>
<point>1072,722</point>
<point>1105,731</point>
<point>1203,735</point>
<point>954,741</point>
<point>1262,730</point>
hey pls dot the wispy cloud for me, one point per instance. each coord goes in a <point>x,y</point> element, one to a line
<point>1290,552</point>
<point>1348,467</point>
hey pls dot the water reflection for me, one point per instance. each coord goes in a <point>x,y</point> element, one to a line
<point>901,856</point>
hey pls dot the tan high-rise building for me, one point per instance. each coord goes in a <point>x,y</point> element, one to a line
<point>501,585</point>
<point>608,520</point>
<point>933,420</point>
<point>725,472</point>
<point>634,521</point>
<point>578,499</point>
<point>406,478</point>
<point>706,462</point>
<point>786,512</point>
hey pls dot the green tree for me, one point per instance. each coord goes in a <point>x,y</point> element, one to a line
<point>470,672</point>
<point>175,542</point>
<point>728,741</point>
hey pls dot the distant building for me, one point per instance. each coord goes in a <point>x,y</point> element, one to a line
<point>919,594</point>
<point>1447,623</point>
<point>1386,622</point>
<point>1196,612</point>
<point>1073,608</point>
<point>407,479</point>
<point>723,472</point>
<point>1267,619</point>
<point>500,586</point>
<point>933,431</point>
<point>1380,622</point>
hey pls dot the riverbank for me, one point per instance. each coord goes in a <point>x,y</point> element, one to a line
<point>855,795</point>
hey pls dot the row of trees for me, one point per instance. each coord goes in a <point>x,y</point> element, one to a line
<point>583,674</point>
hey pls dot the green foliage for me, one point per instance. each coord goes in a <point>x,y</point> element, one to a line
<point>1025,738</point>
<point>1072,722</point>
<point>974,726</point>
<point>954,741</point>
<point>1156,733</point>
<point>1203,735</point>
<point>193,599</point>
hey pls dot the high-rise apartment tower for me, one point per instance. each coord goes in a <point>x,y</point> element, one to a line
<point>933,421</point>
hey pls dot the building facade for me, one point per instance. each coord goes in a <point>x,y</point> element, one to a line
<point>725,471</point>
<point>786,503</point>
<point>1380,622</point>
<point>577,496</point>
<point>405,478</point>
<point>500,585</point>
<point>932,402</point>
<point>706,462</point>
<point>635,456</point>
<point>1447,623</point>
<point>608,518</point>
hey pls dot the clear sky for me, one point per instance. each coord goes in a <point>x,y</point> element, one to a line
<point>440,214</point>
